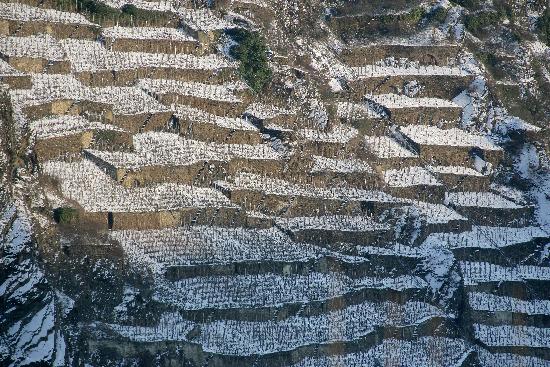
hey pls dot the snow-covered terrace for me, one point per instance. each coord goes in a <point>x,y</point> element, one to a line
<point>141,4</point>
<point>247,338</point>
<point>270,290</point>
<point>490,359</point>
<point>171,150</point>
<point>195,19</point>
<point>338,134</point>
<point>127,100</point>
<point>213,245</point>
<point>221,93</point>
<point>203,20</point>
<point>199,116</point>
<point>147,33</point>
<point>487,237</point>
<point>264,111</point>
<point>273,186</point>
<point>374,71</point>
<point>344,223</point>
<point>512,336</point>
<point>423,351</point>
<point>349,110</point>
<point>479,199</point>
<point>63,125</point>
<point>432,213</point>
<point>493,303</point>
<point>271,336</point>
<point>432,135</point>
<point>95,191</point>
<point>429,37</point>
<point>88,55</point>
<point>481,272</point>
<point>455,170</point>
<point>409,176</point>
<point>323,164</point>
<point>41,46</point>
<point>385,147</point>
<point>49,87</point>
<point>26,13</point>
<point>395,101</point>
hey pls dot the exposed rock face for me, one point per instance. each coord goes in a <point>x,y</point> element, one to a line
<point>383,201</point>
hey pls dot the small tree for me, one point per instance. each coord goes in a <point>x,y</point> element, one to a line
<point>251,51</point>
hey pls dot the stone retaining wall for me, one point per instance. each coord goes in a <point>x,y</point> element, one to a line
<point>205,131</point>
<point>427,193</point>
<point>190,174</point>
<point>51,148</point>
<point>17,81</point>
<point>38,65</point>
<point>263,167</point>
<point>324,236</point>
<point>142,122</point>
<point>166,219</point>
<point>292,206</point>
<point>426,115</point>
<point>128,77</point>
<point>455,182</point>
<point>436,86</point>
<point>454,155</point>
<point>58,30</point>
<point>517,217</point>
<point>221,108</point>
<point>426,55</point>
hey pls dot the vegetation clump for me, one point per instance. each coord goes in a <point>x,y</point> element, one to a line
<point>128,15</point>
<point>544,26</point>
<point>65,215</point>
<point>251,51</point>
<point>476,23</point>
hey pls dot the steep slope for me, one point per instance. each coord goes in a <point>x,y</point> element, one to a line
<point>361,194</point>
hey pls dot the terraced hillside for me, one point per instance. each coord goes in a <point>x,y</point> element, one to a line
<point>374,202</point>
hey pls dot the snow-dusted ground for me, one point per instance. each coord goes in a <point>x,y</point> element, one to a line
<point>371,71</point>
<point>387,147</point>
<point>214,245</point>
<point>147,33</point>
<point>480,272</point>
<point>487,237</point>
<point>410,176</point>
<point>26,13</point>
<point>432,135</point>
<point>426,351</point>
<point>479,199</point>
<point>95,191</point>
<point>41,46</point>
<point>270,290</point>
<point>92,56</point>
<point>63,125</point>
<point>332,223</point>
<point>508,335</point>
<point>171,150</point>
<point>488,359</point>
<point>215,92</point>
<point>274,186</point>
<point>490,302</point>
